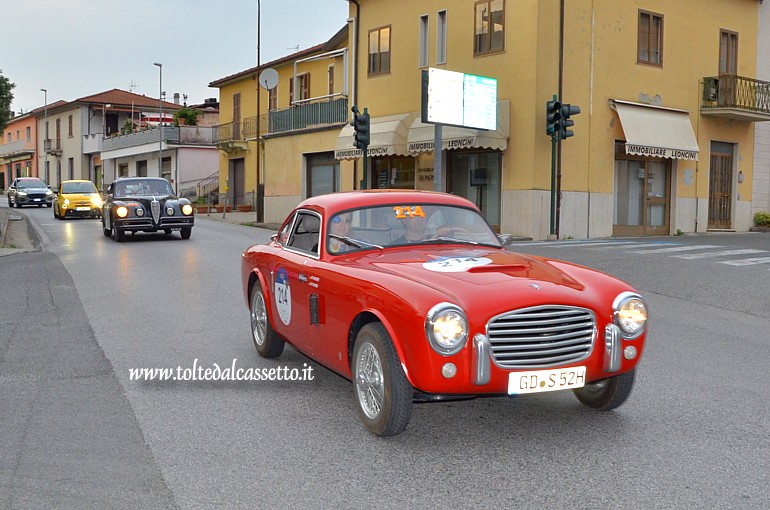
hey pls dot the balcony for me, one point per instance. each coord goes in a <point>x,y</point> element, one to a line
<point>229,137</point>
<point>736,98</point>
<point>309,115</point>
<point>172,135</point>
<point>16,150</point>
<point>52,146</point>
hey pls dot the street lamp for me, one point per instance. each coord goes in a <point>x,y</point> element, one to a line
<point>45,141</point>
<point>160,120</point>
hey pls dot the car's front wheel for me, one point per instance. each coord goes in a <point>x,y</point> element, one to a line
<point>117,234</point>
<point>607,394</point>
<point>106,231</point>
<point>186,232</point>
<point>266,340</point>
<point>382,392</point>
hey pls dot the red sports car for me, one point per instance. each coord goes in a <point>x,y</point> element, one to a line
<point>412,296</point>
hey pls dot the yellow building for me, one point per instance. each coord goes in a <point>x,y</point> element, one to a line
<point>663,143</point>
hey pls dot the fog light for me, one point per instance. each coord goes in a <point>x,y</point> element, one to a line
<point>629,352</point>
<point>449,370</point>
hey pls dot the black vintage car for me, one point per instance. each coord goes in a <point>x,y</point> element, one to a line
<point>145,204</point>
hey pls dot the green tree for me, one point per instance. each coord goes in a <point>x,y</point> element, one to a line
<point>6,98</point>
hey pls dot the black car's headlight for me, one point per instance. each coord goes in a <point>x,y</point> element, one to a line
<point>139,211</point>
<point>122,211</point>
<point>170,211</point>
<point>630,314</point>
<point>187,209</point>
<point>446,328</point>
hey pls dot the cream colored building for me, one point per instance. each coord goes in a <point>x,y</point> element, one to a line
<point>664,141</point>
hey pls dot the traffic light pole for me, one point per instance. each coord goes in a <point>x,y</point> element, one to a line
<point>365,150</point>
<point>554,144</point>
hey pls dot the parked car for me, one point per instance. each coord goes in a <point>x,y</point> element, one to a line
<point>145,204</point>
<point>77,198</point>
<point>412,296</point>
<point>29,191</point>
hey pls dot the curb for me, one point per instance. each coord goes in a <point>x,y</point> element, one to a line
<point>3,226</point>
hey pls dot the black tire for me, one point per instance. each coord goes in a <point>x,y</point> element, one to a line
<point>116,233</point>
<point>607,394</point>
<point>49,205</point>
<point>186,232</point>
<point>107,232</point>
<point>55,214</point>
<point>167,231</point>
<point>383,394</point>
<point>18,205</point>
<point>266,340</point>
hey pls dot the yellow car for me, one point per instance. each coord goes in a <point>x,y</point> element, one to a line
<point>77,198</point>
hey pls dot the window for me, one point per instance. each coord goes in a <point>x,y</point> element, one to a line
<point>650,39</point>
<point>331,80</point>
<point>379,51</point>
<point>303,87</point>
<point>237,116</point>
<point>58,134</point>
<point>69,124</point>
<point>123,170</point>
<point>306,234</point>
<point>70,168</point>
<point>272,98</point>
<point>323,174</point>
<point>141,168</point>
<point>423,61</point>
<point>489,32</point>
<point>29,133</point>
<point>728,52</point>
<point>9,137</point>
<point>441,38</point>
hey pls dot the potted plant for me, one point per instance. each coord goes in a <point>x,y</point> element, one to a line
<point>186,116</point>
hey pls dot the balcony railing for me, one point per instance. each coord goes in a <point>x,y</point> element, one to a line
<point>736,97</point>
<point>52,146</point>
<point>308,115</point>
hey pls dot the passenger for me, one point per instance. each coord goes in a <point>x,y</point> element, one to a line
<point>414,230</point>
<point>340,226</point>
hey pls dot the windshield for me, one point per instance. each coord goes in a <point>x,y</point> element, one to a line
<point>148,187</point>
<point>78,187</point>
<point>31,183</point>
<point>403,225</point>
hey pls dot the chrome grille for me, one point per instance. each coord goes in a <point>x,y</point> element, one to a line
<point>542,336</point>
<point>155,210</point>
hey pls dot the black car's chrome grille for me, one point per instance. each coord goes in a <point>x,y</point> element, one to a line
<point>155,210</point>
<point>541,336</point>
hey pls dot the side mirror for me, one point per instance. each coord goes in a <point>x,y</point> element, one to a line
<point>506,239</point>
<point>274,237</point>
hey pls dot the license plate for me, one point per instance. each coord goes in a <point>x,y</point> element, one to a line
<point>36,200</point>
<point>538,381</point>
<point>82,208</point>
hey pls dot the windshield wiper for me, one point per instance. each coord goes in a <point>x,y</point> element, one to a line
<point>358,243</point>
<point>449,239</point>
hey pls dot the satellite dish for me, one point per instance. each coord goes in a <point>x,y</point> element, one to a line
<point>268,78</point>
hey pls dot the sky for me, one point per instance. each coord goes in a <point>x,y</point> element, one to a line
<point>76,48</point>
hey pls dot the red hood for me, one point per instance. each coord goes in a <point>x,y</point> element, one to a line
<point>488,278</point>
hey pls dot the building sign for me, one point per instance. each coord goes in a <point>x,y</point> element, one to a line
<point>358,153</point>
<point>658,152</point>
<point>453,143</point>
<point>459,99</point>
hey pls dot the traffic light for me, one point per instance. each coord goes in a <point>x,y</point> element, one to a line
<point>361,126</point>
<point>553,118</point>
<point>567,110</point>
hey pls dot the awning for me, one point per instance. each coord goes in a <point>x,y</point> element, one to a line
<point>655,131</point>
<point>387,137</point>
<point>422,136</point>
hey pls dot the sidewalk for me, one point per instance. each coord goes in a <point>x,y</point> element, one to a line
<point>238,218</point>
<point>16,234</point>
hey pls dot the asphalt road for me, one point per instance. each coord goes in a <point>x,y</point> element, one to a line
<point>694,433</point>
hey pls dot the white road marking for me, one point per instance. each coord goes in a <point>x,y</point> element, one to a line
<point>676,249</point>
<point>724,253</point>
<point>746,262</point>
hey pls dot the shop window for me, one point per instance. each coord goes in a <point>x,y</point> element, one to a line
<point>393,172</point>
<point>477,177</point>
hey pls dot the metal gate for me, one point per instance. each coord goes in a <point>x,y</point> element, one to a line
<point>720,191</point>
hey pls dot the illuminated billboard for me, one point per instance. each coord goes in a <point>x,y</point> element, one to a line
<point>459,99</point>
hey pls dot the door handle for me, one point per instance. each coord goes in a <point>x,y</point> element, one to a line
<point>302,278</point>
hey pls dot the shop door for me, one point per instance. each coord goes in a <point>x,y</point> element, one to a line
<point>641,202</point>
<point>720,186</point>
<point>236,186</point>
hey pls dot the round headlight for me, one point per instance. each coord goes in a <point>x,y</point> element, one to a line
<point>122,211</point>
<point>170,211</point>
<point>66,201</point>
<point>140,211</point>
<point>446,328</point>
<point>96,200</point>
<point>630,314</point>
<point>187,209</point>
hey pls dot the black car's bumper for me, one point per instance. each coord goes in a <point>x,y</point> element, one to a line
<point>148,225</point>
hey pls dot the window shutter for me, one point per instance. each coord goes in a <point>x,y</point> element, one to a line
<point>644,37</point>
<point>441,35</point>
<point>291,91</point>
<point>423,60</point>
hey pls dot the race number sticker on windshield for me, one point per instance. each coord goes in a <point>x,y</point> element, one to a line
<point>282,294</point>
<point>455,264</point>
<point>408,211</point>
